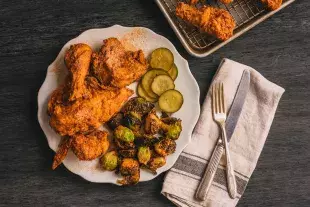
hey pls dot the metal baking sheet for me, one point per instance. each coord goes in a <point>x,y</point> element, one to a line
<point>247,14</point>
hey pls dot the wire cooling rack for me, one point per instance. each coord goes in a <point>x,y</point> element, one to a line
<point>247,14</point>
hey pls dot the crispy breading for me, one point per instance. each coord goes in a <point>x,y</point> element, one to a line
<point>214,21</point>
<point>77,60</point>
<point>115,66</point>
<point>85,147</point>
<point>226,1</point>
<point>272,4</point>
<point>61,152</point>
<point>85,114</point>
<point>193,1</point>
<point>90,146</point>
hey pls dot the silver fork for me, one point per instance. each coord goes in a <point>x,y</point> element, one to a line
<point>219,115</point>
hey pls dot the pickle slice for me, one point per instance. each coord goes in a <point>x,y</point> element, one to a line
<point>162,58</point>
<point>142,93</point>
<point>173,72</point>
<point>170,101</point>
<point>148,78</point>
<point>161,84</point>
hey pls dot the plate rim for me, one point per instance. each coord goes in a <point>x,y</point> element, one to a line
<point>196,110</point>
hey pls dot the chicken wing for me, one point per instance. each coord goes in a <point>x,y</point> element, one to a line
<point>214,21</point>
<point>272,4</point>
<point>77,60</point>
<point>115,66</point>
<point>61,152</point>
<point>85,147</point>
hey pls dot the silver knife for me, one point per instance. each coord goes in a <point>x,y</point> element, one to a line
<point>231,123</point>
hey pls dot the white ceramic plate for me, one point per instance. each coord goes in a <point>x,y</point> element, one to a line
<point>132,38</point>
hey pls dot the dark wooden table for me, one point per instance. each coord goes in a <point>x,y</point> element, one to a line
<point>33,32</point>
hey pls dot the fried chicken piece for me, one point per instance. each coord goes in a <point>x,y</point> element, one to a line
<point>85,147</point>
<point>115,66</point>
<point>61,152</point>
<point>226,1</point>
<point>84,115</point>
<point>192,2</point>
<point>90,146</point>
<point>214,21</point>
<point>272,4</point>
<point>85,112</point>
<point>77,60</point>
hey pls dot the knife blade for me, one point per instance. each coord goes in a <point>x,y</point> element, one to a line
<point>236,107</point>
<point>231,122</point>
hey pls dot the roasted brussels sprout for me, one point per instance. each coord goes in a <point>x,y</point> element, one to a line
<point>145,140</point>
<point>124,134</point>
<point>129,166</point>
<point>116,121</point>
<point>173,131</point>
<point>165,147</point>
<point>130,179</point>
<point>130,169</point>
<point>156,163</point>
<point>109,161</point>
<point>133,121</point>
<point>128,153</point>
<point>144,154</point>
<point>123,145</point>
<point>152,123</point>
<point>171,127</point>
<point>138,105</point>
<point>124,138</point>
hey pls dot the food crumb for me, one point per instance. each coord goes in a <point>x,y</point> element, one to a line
<point>134,39</point>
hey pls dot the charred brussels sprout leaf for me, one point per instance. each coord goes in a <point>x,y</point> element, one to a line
<point>128,153</point>
<point>115,121</point>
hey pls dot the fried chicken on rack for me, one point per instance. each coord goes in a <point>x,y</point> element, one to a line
<point>85,147</point>
<point>115,66</point>
<point>214,21</point>
<point>272,4</point>
<point>226,1</point>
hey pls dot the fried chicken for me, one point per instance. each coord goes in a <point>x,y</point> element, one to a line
<point>115,66</point>
<point>214,21</point>
<point>192,2</point>
<point>226,1</point>
<point>272,4</point>
<point>77,60</point>
<point>89,99</point>
<point>85,147</point>
<point>71,110</point>
<point>85,114</point>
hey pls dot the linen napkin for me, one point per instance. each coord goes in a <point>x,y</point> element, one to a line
<point>245,145</point>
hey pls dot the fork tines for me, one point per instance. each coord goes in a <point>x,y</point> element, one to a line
<point>218,103</point>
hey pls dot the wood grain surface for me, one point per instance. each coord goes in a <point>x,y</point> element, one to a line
<point>31,34</point>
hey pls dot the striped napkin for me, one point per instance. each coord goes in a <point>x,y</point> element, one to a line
<point>245,146</point>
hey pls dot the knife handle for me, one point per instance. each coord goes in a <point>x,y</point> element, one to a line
<point>208,176</point>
